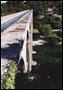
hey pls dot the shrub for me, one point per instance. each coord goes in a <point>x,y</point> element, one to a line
<point>8,81</point>
<point>47,19</point>
<point>59,33</point>
<point>57,18</point>
<point>56,24</point>
<point>53,38</point>
<point>45,29</point>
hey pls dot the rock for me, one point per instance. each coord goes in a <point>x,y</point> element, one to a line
<point>34,63</point>
<point>48,77</point>
<point>42,37</point>
<point>34,52</point>
<point>31,77</point>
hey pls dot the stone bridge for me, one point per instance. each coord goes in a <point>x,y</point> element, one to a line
<point>16,39</point>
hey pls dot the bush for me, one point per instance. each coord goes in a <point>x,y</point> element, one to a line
<point>56,24</point>
<point>8,81</point>
<point>57,18</point>
<point>47,19</point>
<point>53,38</point>
<point>45,29</point>
<point>59,33</point>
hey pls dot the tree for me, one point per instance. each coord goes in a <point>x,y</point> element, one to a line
<point>45,29</point>
<point>12,7</point>
<point>53,39</point>
<point>56,23</point>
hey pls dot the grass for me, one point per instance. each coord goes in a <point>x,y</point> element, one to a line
<point>48,53</point>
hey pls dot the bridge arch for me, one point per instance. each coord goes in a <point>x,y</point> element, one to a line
<point>27,35</point>
<point>24,63</point>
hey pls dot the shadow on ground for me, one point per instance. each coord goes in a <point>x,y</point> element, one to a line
<point>47,76</point>
<point>12,51</point>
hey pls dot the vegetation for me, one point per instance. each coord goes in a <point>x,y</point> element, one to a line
<point>56,23</point>
<point>53,39</point>
<point>8,81</point>
<point>48,53</point>
<point>45,29</point>
<point>59,33</point>
<point>16,6</point>
<point>39,8</point>
<point>45,53</point>
<point>47,19</point>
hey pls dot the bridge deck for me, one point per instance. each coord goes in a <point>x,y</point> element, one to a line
<point>11,16</point>
<point>12,39</point>
<point>6,21</point>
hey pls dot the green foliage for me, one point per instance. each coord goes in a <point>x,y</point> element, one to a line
<point>57,18</point>
<point>38,6</point>
<point>45,29</point>
<point>9,77</point>
<point>12,7</point>
<point>53,38</point>
<point>48,53</point>
<point>59,33</point>
<point>56,24</point>
<point>47,19</point>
